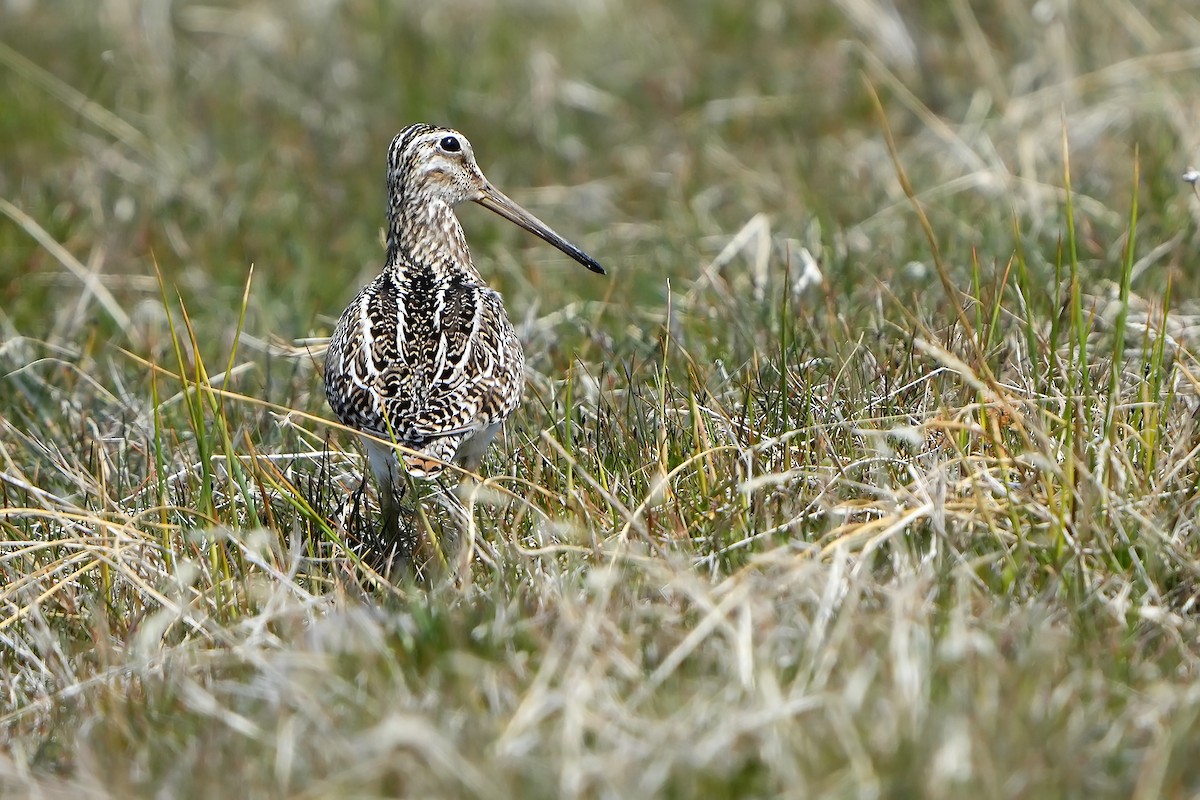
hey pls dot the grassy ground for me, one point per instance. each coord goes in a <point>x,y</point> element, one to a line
<point>870,471</point>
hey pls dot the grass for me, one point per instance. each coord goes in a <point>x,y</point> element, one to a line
<point>869,471</point>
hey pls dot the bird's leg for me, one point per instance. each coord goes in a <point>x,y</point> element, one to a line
<point>389,507</point>
<point>391,482</point>
<point>470,454</point>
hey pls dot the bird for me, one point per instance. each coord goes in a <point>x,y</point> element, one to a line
<point>425,356</point>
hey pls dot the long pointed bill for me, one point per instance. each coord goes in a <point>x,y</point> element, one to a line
<point>495,200</point>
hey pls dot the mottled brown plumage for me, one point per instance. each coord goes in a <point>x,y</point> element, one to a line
<point>425,356</point>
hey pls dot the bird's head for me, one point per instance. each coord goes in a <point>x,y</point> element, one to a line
<point>429,163</point>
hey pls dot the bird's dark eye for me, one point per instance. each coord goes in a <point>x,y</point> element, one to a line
<point>450,144</point>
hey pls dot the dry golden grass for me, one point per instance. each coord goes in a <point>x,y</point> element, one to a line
<point>871,471</point>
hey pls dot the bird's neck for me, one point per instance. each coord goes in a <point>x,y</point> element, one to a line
<point>429,236</point>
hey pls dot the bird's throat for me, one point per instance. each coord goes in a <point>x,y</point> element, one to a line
<point>427,234</point>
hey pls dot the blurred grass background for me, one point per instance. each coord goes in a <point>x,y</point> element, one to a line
<point>786,523</point>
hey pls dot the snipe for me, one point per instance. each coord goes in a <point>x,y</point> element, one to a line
<point>425,356</point>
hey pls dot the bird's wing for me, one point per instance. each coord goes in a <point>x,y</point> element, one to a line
<point>422,358</point>
<point>465,362</point>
